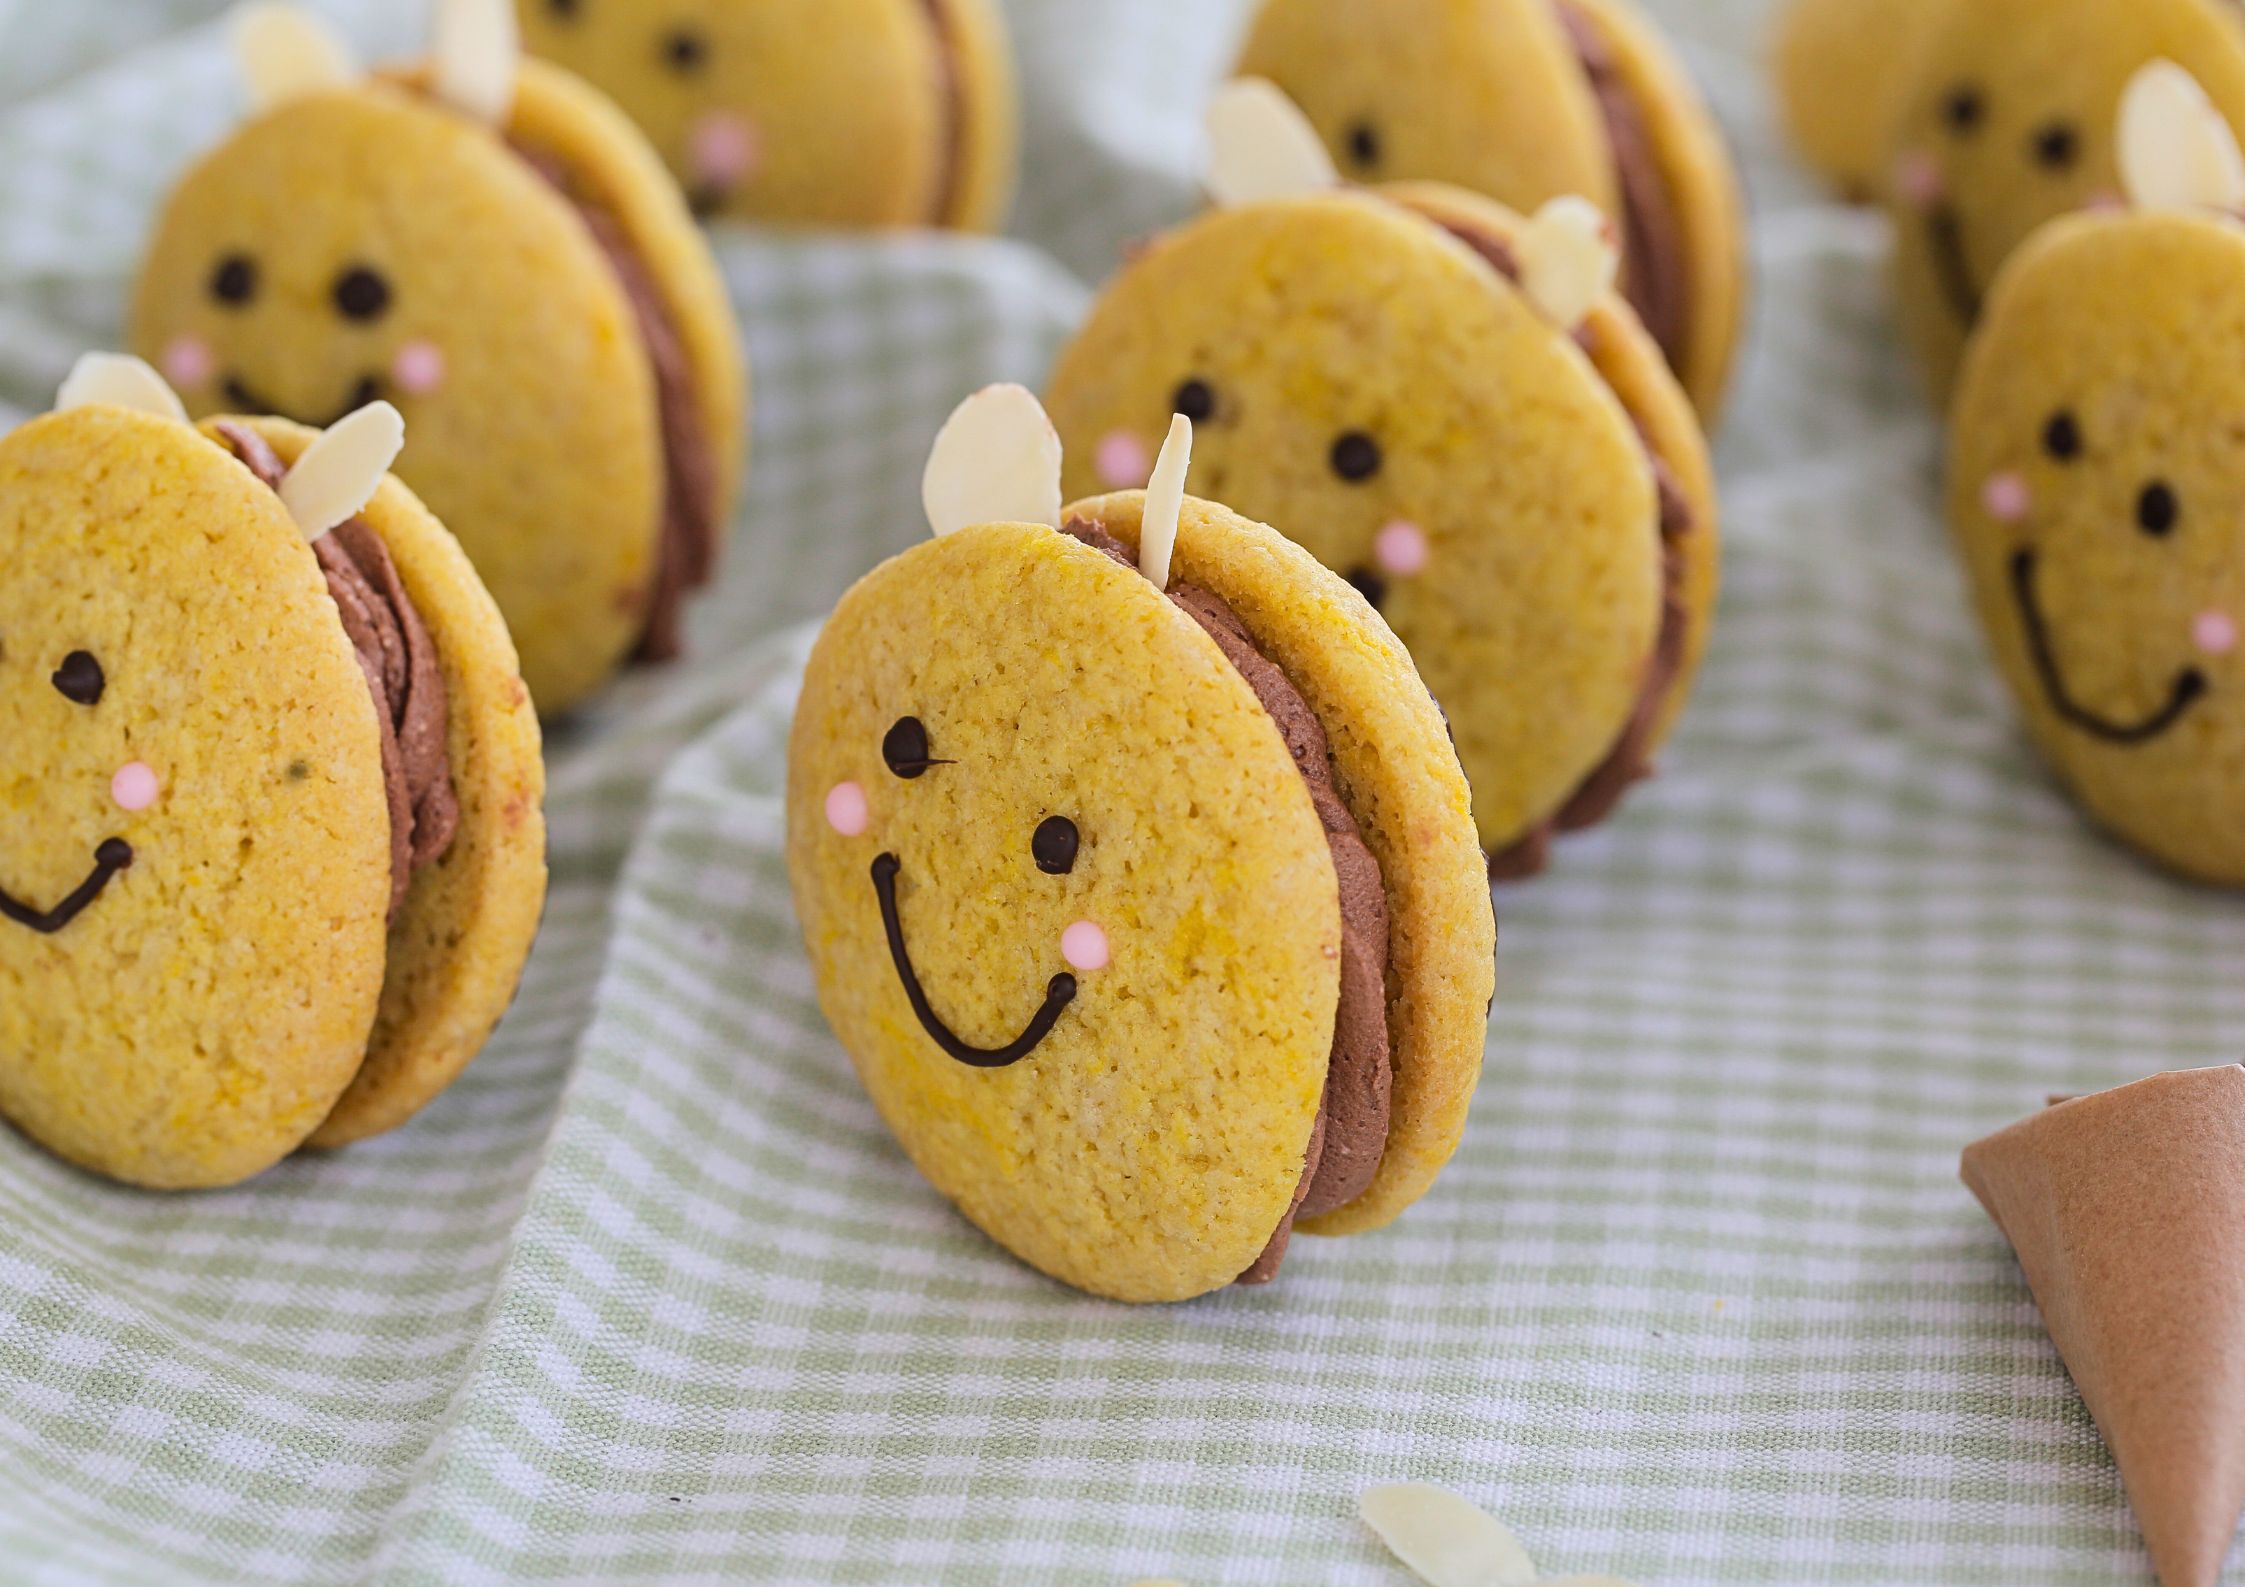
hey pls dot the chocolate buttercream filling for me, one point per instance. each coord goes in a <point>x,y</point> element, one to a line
<point>1630,760</point>
<point>686,556</point>
<point>1656,274</point>
<point>403,675</point>
<point>1349,1135</point>
<point>951,98</point>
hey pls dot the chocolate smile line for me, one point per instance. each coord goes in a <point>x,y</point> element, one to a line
<point>1945,235</point>
<point>251,402</point>
<point>114,855</point>
<point>1058,995</point>
<point>2190,683</point>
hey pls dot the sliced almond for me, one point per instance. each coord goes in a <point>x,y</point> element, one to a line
<point>478,52</point>
<point>339,472</point>
<point>1447,1540</point>
<point>1569,258</point>
<point>1165,502</point>
<point>996,460</point>
<point>285,53</point>
<point>1261,146</point>
<point>2176,151</point>
<point>118,380</point>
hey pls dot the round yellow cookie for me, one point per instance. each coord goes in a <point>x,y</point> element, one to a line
<point>1844,70</point>
<point>839,113</point>
<point>537,304</point>
<point>1134,1121</point>
<point>2009,124</point>
<point>2095,470</point>
<point>1361,377</point>
<point>1525,101</point>
<point>195,967</point>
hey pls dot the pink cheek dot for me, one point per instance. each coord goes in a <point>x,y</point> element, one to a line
<point>418,368</point>
<point>2215,633</point>
<point>723,149</point>
<point>1084,946</point>
<point>847,811</point>
<point>188,361</point>
<point>134,787</point>
<point>2006,498</point>
<point>2107,201</point>
<point>1400,548</point>
<point>1917,177</point>
<point>1123,461</point>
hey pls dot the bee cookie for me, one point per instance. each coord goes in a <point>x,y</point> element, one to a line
<point>497,252</point>
<point>2009,124</point>
<point>2096,465</point>
<point>1137,873</point>
<point>811,112</point>
<point>274,855</point>
<point>1526,101</point>
<point>1448,406</point>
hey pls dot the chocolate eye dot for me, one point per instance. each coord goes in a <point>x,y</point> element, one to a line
<point>905,748</point>
<point>1364,144</point>
<point>565,9</point>
<point>1370,585</point>
<point>1963,109</point>
<point>2061,437</point>
<point>2157,510</point>
<point>1054,846</point>
<point>235,279</point>
<point>685,50</point>
<point>361,294</point>
<point>79,679</point>
<point>1196,400</point>
<point>1356,457</point>
<point>2057,146</point>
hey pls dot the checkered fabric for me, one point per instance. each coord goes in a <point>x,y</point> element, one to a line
<point>651,1297</point>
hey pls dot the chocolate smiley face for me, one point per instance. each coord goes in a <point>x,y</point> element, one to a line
<point>133,787</point>
<point>2012,125</point>
<point>836,113</point>
<point>2095,496</point>
<point>1368,387</point>
<point>1032,810</point>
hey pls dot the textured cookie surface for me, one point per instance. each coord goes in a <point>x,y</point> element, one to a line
<point>2096,469</point>
<point>354,243</point>
<point>202,1013</point>
<point>2010,123</point>
<point>1149,1144</point>
<point>1395,768</point>
<point>457,947</point>
<point>845,113</point>
<point>1364,382</point>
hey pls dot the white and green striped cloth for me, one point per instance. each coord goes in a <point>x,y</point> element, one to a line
<point>650,1295</point>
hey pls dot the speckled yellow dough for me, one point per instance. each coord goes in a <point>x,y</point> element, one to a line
<point>840,113</point>
<point>2095,435</point>
<point>1843,70</point>
<point>1631,364</point>
<point>539,443</point>
<point>1150,1144</point>
<point>457,947</point>
<point>201,1016</point>
<point>1310,321</point>
<point>1490,95</point>
<point>2010,123</point>
<point>1396,770</point>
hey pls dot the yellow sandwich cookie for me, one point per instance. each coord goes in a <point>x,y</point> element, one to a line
<point>1526,101</point>
<point>1844,70</point>
<point>496,251</point>
<point>275,850</point>
<point>1138,874</point>
<point>812,112</point>
<point>2009,124</point>
<point>1449,406</point>
<point>2097,464</point>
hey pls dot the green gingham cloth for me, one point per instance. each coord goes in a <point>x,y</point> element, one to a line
<point>651,1296</point>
